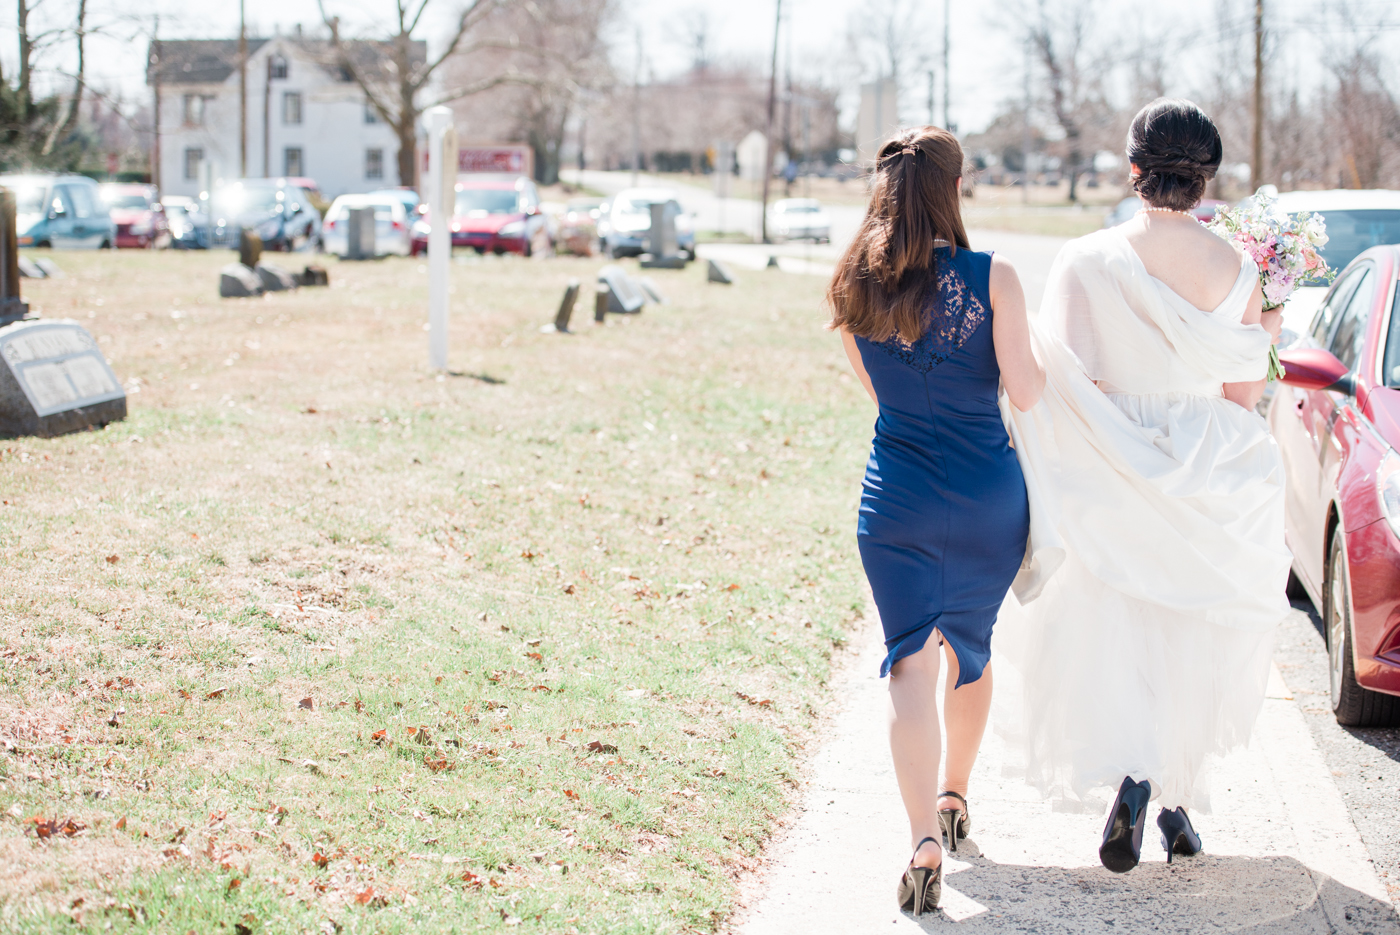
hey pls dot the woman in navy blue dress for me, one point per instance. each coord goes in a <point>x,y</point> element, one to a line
<point>935,330</point>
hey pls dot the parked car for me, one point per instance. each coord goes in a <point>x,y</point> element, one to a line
<point>1336,419</point>
<point>275,209</point>
<point>799,219</point>
<point>391,225</point>
<point>578,225</point>
<point>495,213</point>
<point>137,212</point>
<point>188,222</point>
<point>313,193</point>
<point>626,221</point>
<point>1356,220</point>
<point>1130,206</point>
<point>60,211</point>
<point>405,196</point>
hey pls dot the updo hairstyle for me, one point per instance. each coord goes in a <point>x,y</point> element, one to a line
<point>1177,150</point>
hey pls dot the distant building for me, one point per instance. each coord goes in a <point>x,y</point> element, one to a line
<point>306,116</point>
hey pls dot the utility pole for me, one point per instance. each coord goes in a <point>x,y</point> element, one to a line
<point>1256,167</point>
<point>242,92</point>
<point>947,73</point>
<point>155,88</point>
<point>932,111</point>
<point>768,135</point>
<point>636,111</point>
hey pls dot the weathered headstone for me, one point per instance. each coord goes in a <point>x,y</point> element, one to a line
<point>662,252</point>
<point>275,278</point>
<point>719,273</point>
<point>601,299</point>
<point>359,236</point>
<point>652,292</point>
<point>30,270</point>
<point>250,247</point>
<point>314,276</point>
<point>50,268</point>
<point>773,262</point>
<point>566,307</point>
<point>12,307</point>
<point>237,281</point>
<point>54,379</point>
<point>624,295</point>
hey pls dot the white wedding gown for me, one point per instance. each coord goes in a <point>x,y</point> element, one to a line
<point>1155,574</point>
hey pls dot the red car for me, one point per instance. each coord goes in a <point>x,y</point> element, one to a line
<point>1337,422</point>
<point>493,213</point>
<point>137,213</point>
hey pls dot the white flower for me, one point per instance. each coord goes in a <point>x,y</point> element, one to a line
<point>1315,229</point>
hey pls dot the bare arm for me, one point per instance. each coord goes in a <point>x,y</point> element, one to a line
<point>1248,394</point>
<point>1021,373</point>
<point>848,341</point>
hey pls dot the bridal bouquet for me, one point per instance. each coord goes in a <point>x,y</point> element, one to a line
<point>1284,247</point>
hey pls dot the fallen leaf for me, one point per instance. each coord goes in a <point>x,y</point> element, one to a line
<point>113,559</point>
<point>121,823</point>
<point>535,656</point>
<point>313,766</point>
<point>216,817</point>
<point>569,793</point>
<point>437,764</point>
<point>753,700</point>
<point>380,736</point>
<point>321,861</point>
<point>532,642</point>
<point>597,746</point>
<point>541,688</point>
<point>732,587</point>
<point>472,880</point>
<point>233,884</point>
<point>527,554</point>
<point>306,703</point>
<point>569,589</point>
<point>216,693</point>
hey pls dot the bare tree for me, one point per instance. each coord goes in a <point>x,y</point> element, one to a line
<point>890,39</point>
<point>394,72</point>
<point>64,128</point>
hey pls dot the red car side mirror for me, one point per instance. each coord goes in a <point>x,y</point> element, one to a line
<point>1316,369</point>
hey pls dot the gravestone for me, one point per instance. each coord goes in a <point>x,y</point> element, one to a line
<point>50,268</point>
<point>249,248</point>
<point>662,252</point>
<point>719,273</point>
<point>237,281</point>
<point>54,379</point>
<point>31,270</point>
<point>566,307</point>
<point>275,278</point>
<point>359,237</point>
<point>12,307</point>
<point>652,292</point>
<point>602,297</point>
<point>623,294</point>
<point>314,276</point>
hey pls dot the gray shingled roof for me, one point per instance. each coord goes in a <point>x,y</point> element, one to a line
<point>212,61</point>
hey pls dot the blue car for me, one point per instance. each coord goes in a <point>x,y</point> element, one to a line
<point>60,211</point>
<point>276,210</point>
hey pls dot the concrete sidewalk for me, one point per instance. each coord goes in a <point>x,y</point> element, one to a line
<point>1281,853</point>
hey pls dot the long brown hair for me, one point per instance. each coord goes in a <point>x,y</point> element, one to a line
<point>885,279</point>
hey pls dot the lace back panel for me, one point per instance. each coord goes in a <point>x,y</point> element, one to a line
<point>955,314</point>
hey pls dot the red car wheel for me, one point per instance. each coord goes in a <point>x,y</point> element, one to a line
<point>1352,705</point>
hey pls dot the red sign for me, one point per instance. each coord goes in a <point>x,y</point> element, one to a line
<point>515,160</point>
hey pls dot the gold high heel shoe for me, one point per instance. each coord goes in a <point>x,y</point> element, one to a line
<point>955,821</point>
<point>921,888</point>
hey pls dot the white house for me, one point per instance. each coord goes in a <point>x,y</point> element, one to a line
<point>305,117</point>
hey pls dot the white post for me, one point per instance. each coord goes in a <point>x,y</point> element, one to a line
<point>441,178</point>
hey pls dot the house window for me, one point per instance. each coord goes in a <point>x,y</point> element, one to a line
<point>374,163</point>
<point>194,158</point>
<point>371,115</point>
<point>276,67</point>
<point>292,162</point>
<point>291,108</point>
<point>193,115</point>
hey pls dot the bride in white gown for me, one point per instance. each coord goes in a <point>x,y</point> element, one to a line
<point>1155,575</point>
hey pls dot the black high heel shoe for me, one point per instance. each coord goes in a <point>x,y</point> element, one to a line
<point>1178,837</point>
<point>955,821</point>
<point>921,888</point>
<point>1122,836</point>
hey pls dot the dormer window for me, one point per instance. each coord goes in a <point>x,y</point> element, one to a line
<point>276,67</point>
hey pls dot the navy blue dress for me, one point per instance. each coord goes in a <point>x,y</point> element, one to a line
<point>943,513</point>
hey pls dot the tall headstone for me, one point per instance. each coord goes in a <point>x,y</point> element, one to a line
<point>566,307</point>
<point>662,252</point>
<point>54,380</point>
<point>359,226</point>
<point>12,308</point>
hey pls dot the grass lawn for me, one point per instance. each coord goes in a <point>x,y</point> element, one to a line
<point>318,641</point>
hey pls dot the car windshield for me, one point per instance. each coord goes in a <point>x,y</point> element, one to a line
<point>125,201</point>
<point>234,201</point>
<point>632,207</point>
<point>29,200</point>
<point>1351,232</point>
<point>487,201</point>
<point>800,209</point>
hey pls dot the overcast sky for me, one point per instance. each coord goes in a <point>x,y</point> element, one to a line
<point>985,56</point>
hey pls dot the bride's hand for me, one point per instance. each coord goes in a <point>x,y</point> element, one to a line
<point>1273,323</point>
